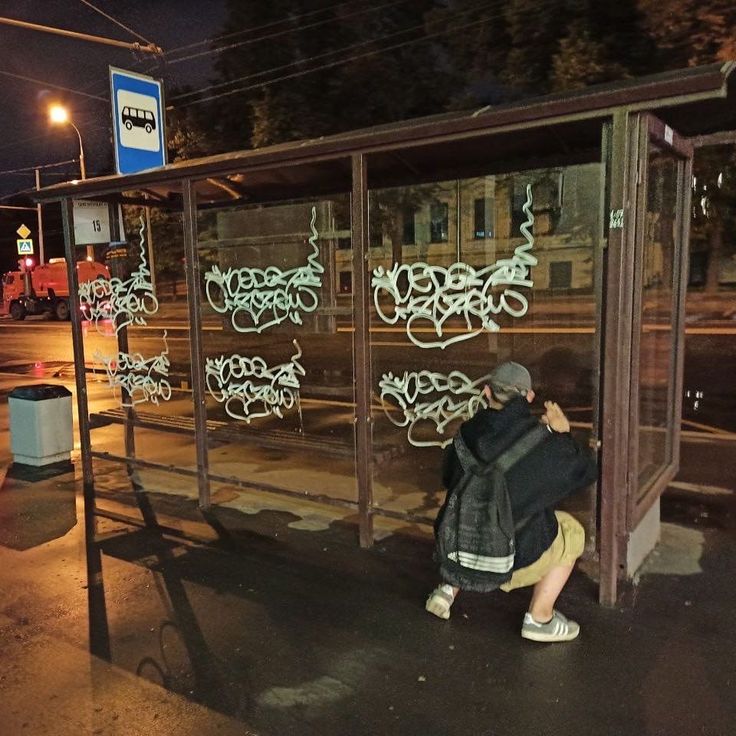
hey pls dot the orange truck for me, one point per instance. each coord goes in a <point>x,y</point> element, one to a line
<point>44,289</point>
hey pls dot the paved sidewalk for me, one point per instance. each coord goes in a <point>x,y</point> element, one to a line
<point>244,624</point>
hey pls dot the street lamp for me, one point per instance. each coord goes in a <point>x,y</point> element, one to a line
<point>60,115</point>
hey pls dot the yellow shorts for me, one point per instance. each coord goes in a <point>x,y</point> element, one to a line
<point>568,545</point>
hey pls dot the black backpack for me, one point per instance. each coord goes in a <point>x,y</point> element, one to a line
<point>475,534</point>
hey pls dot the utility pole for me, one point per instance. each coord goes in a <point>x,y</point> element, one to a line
<point>41,259</point>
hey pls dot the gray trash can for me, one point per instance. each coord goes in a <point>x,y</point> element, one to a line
<point>41,428</point>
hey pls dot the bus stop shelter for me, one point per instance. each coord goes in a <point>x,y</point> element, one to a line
<point>311,321</point>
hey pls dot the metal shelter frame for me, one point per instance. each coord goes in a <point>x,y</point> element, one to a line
<point>619,121</point>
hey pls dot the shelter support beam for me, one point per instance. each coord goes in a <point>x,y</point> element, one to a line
<point>617,344</point>
<point>196,352</point>
<point>362,349</point>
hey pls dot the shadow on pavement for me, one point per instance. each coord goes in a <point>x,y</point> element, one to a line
<point>35,513</point>
<point>297,632</point>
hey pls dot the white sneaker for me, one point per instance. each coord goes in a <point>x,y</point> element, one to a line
<point>439,603</point>
<point>558,628</point>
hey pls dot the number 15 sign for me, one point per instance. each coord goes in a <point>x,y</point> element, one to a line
<point>91,222</point>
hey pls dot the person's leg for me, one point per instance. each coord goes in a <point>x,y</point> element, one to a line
<point>546,592</point>
<point>542,622</point>
<point>441,599</point>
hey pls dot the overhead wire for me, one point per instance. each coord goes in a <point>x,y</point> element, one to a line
<point>278,34</point>
<point>41,166</point>
<point>333,64</point>
<point>299,62</point>
<point>254,29</point>
<point>116,22</point>
<point>43,83</point>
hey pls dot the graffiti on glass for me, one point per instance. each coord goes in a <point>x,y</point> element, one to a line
<point>259,298</point>
<point>140,379</point>
<point>424,398</point>
<point>124,302</point>
<point>427,297</point>
<point>250,388</point>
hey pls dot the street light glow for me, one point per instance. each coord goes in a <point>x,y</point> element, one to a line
<point>58,114</point>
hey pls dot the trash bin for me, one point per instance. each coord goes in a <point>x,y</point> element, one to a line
<point>41,429</point>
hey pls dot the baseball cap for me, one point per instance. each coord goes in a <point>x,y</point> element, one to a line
<point>511,375</point>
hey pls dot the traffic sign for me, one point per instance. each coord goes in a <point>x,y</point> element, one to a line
<point>138,121</point>
<point>23,231</point>
<point>25,247</point>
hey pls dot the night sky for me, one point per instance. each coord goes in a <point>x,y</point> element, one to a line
<point>26,138</point>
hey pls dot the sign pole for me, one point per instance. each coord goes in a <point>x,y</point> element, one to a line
<point>40,221</point>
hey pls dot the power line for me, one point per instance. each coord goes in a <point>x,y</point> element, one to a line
<point>263,27</point>
<point>42,83</point>
<point>283,33</point>
<point>220,85</point>
<point>333,64</point>
<point>480,6</point>
<point>42,166</point>
<point>116,22</point>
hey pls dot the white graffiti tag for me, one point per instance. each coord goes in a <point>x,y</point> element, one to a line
<point>429,296</point>
<point>453,397</point>
<point>142,379</point>
<point>124,302</point>
<point>240,382</point>
<point>261,298</point>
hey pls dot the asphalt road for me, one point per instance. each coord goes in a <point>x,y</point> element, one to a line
<point>709,402</point>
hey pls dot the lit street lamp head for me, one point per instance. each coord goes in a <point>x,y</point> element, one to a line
<point>58,114</point>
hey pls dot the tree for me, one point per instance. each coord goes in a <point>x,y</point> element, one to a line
<point>351,92</point>
<point>691,32</point>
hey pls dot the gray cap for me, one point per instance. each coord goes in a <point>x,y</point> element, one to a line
<point>511,375</point>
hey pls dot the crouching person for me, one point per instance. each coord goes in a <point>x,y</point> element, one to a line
<point>498,528</point>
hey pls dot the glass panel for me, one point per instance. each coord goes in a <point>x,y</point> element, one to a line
<point>446,312</point>
<point>656,358</point>
<point>136,342</point>
<point>277,285</point>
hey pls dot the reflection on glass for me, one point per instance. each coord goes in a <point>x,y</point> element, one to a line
<point>656,367</point>
<point>136,337</point>
<point>277,310</point>
<point>522,242</point>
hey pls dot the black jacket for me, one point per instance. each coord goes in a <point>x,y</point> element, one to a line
<point>554,469</point>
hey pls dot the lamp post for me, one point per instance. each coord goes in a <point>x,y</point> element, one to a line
<point>59,115</point>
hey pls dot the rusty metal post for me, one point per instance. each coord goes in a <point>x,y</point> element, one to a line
<point>617,342</point>
<point>98,630</point>
<point>362,349</point>
<point>196,353</point>
<point>67,213</point>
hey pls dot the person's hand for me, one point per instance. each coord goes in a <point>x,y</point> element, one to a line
<point>554,417</point>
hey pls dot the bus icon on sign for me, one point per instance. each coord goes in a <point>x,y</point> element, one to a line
<point>138,121</point>
<point>134,117</point>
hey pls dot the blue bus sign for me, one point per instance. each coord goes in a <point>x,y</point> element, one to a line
<point>138,121</point>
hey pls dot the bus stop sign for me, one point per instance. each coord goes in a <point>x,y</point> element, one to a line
<point>138,121</point>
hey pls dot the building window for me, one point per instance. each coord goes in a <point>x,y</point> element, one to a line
<point>346,282</point>
<point>483,218</point>
<point>438,222</point>
<point>409,230</point>
<point>698,272</point>
<point>560,275</point>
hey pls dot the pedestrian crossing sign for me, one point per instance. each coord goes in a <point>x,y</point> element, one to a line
<point>25,247</point>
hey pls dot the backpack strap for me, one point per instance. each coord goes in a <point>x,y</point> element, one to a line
<point>522,447</point>
<point>467,459</point>
<point>507,459</point>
